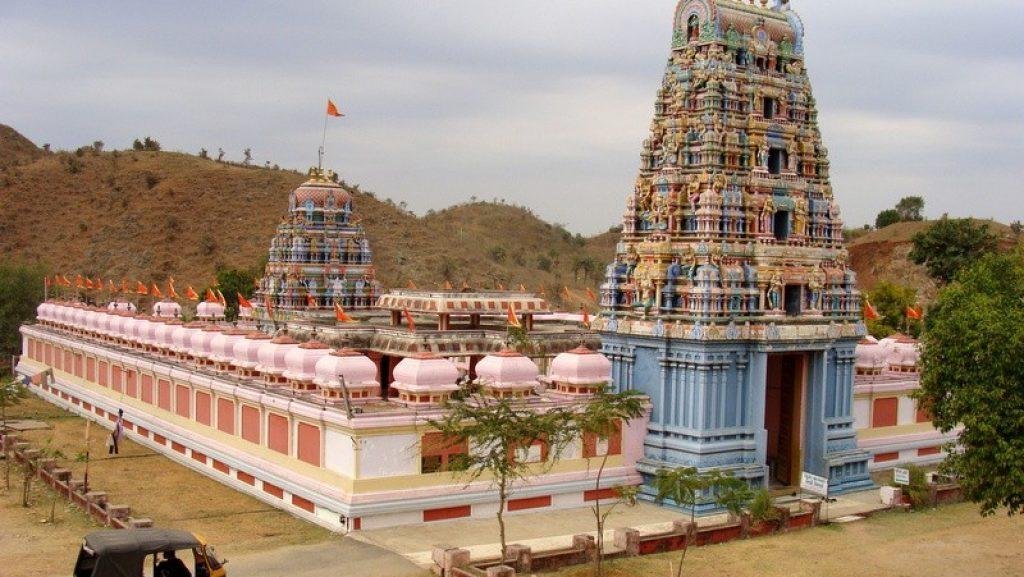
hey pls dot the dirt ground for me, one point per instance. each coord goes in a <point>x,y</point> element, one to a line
<point>155,487</point>
<point>951,541</point>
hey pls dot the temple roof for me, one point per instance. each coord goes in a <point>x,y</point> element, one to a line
<point>489,303</point>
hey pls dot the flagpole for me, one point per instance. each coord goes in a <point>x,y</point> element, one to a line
<point>323,145</point>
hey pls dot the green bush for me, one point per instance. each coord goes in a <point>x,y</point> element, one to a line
<point>762,508</point>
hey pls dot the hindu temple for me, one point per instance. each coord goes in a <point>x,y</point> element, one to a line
<point>320,255</point>
<point>730,301</point>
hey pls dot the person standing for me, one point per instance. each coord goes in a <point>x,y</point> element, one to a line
<point>114,442</point>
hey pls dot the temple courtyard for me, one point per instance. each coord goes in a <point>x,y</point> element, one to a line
<point>257,539</point>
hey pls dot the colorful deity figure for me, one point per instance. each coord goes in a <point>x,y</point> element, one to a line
<point>800,217</point>
<point>775,287</point>
<point>767,215</point>
<point>815,284</point>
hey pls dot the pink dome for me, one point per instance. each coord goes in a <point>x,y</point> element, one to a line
<point>122,306</point>
<point>301,361</point>
<point>246,352</point>
<point>357,370</point>
<point>222,346</point>
<point>78,317</point>
<point>127,328</point>
<point>166,309</point>
<point>89,320</point>
<point>425,377</point>
<point>323,194</point>
<point>210,310</point>
<point>200,344</point>
<point>904,354</point>
<point>164,332</point>
<point>272,355</point>
<point>580,366</point>
<point>507,370</point>
<point>148,330</point>
<point>871,357</point>
<point>43,311</point>
<point>181,336</point>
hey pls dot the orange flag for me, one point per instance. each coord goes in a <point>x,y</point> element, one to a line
<point>124,285</point>
<point>270,308</point>
<point>111,286</point>
<point>522,288</point>
<point>190,294</point>
<point>913,314</point>
<point>409,322</point>
<point>170,289</point>
<point>412,285</point>
<point>465,286</point>
<point>586,316</point>
<point>332,109</point>
<point>88,283</point>
<point>220,297</point>
<point>339,313</point>
<point>210,297</point>
<point>447,285</point>
<point>311,301</point>
<point>155,291</point>
<point>513,318</point>
<point>869,311</point>
<point>64,280</point>
<point>566,293</point>
<point>243,303</point>
<point>141,288</point>
<point>79,282</point>
<point>98,283</point>
<point>591,295</point>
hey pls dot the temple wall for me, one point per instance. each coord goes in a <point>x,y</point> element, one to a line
<point>292,454</point>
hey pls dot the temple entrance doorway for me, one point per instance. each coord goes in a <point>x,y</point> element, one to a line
<point>784,392</point>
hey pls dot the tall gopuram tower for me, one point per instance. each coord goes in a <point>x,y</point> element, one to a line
<point>730,301</point>
<point>319,256</point>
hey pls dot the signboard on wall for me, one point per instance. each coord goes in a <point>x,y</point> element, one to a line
<point>814,484</point>
<point>901,476</point>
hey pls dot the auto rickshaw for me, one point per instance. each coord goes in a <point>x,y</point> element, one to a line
<point>123,553</point>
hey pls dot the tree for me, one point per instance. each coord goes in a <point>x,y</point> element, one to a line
<point>247,156</point>
<point>22,290</point>
<point>887,217</point>
<point>951,244</point>
<point>150,144</point>
<point>604,416</point>
<point>684,487</point>
<point>910,208</point>
<point>203,153</point>
<point>220,155</point>
<point>11,393</point>
<point>97,145</point>
<point>231,282</point>
<point>891,301</point>
<point>499,435</point>
<point>137,145</point>
<point>972,377</point>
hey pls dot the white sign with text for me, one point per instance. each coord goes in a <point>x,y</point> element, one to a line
<point>901,476</point>
<point>814,484</point>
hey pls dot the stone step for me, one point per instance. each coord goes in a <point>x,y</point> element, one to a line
<point>61,474</point>
<point>97,497</point>
<point>119,511</point>
<point>140,522</point>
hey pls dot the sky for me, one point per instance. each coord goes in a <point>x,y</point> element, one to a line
<point>542,103</point>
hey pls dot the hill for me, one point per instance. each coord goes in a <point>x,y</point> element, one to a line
<point>882,255</point>
<point>150,215</point>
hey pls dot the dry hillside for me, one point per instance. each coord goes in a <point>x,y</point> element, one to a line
<point>150,215</point>
<point>881,255</point>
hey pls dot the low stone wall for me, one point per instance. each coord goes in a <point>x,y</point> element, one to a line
<point>629,542</point>
<point>59,479</point>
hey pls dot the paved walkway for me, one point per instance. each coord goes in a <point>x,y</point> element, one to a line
<point>554,529</point>
<point>335,558</point>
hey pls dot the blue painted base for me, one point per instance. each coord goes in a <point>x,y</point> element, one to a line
<point>709,400</point>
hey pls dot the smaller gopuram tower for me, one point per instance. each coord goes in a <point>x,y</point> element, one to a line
<point>730,301</point>
<point>319,256</point>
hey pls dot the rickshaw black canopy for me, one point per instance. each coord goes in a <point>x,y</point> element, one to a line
<point>121,552</point>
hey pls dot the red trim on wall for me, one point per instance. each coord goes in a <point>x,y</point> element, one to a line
<point>357,523</point>
<point>277,433</point>
<point>308,441</point>
<point>251,424</point>
<point>303,504</point>
<point>178,447</point>
<point>226,416</point>
<point>182,401</point>
<point>146,392</point>
<point>203,408</point>
<point>273,490</point>
<point>245,477</point>
<point>143,432</point>
<point>928,451</point>
<point>163,394</point>
<point>223,468</point>
<point>103,374</point>
<point>600,494</point>
<point>132,384</point>
<point>198,456</point>
<point>529,503</point>
<point>886,457</point>
<point>446,513</point>
<point>160,439</point>
<point>884,411</point>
